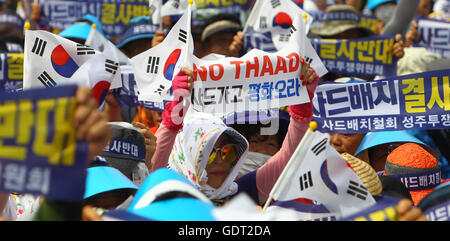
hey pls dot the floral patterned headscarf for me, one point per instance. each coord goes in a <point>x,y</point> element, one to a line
<point>192,148</point>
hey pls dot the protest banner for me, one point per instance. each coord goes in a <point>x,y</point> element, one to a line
<point>439,212</point>
<point>256,81</point>
<point>39,152</point>
<point>113,14</point>
<point>416,101</point>
<point>116,14</point>
<point>366,56</point>
<point>434,35</point>
<point>364,20</point>
<point>11,70</point>
<point>383,210</point>
<point>316,171</point>
<point>303,211</point>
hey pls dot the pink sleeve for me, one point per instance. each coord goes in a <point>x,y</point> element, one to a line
<point>164,144</point>
<point>267,175</point>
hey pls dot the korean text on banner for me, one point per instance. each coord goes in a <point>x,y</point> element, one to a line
<point>39,152</point>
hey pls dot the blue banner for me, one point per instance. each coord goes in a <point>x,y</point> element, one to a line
<point>113,14</point>
<point>367,56</point>
<point>439,212</point>
<point>226,6</point>
<point>116,14</point>
<point>416,101</point>
<point>8,18</point>
<point>368,21</point>
<point>11,70</point>
<point>39,153</point>
<point>383,210</point>
<point>434,35</point>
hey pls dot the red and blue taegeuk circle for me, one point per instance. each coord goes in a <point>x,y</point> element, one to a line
<point>62,63</point>
<point>282,20</point>
<point>100,90</point>
<point>171,61</point>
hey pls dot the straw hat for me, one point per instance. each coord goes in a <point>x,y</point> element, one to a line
<point>366,173</point>
<point>340,18</point>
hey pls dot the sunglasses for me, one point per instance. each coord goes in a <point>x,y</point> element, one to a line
<point>228,153</point>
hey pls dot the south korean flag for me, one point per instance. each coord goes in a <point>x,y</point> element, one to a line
<point>268,26</point>
<point>51,60</point>
<point>155,68</point>
<point>320,173</point>
<point>175,7</point>
<point>97,41</point>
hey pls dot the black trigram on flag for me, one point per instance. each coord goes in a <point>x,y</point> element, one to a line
<point>275,3</point>
<point>284,37</point>
<point>308,59</point>
<point>357,190</point>
<point>160,89</point>
<point>182,36</point>
<point>292,29</point>
<point>153,64</point>
<point>319,147</point>
<point>84,50</point>
<point>39,46</point>
<point>111,66</point>
<point>305,181</point>
<point>176,3</point>
<point>263,22</point>
<point>152,8</point>
<point>46,80</point>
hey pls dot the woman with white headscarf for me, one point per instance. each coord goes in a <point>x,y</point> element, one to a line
<point>209,153</point>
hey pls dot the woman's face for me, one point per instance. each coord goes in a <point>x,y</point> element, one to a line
<point>346,142</point>
<point>218,170</point>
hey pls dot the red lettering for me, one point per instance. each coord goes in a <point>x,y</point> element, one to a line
<point>267,66</point>
<point>212,74</point>
<point>281,65</point>
<point>250,67</point>
<point>202,72</point>
<point>238,68</point>
<point>294,62</point>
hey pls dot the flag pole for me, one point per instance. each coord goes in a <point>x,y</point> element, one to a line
<point>27,26</point>
<point>160,14</point>
<point>303,43</point>
<point>93,27</point>
<point>281,179</point>
<point>188,30</point>
<point>252,13</point>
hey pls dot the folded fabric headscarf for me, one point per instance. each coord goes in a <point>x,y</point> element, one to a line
<point>192,147</point>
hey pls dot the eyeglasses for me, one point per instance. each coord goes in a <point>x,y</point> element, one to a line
<point>228,153</point>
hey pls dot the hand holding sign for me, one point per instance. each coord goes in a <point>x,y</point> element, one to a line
<point>158,38</point>
<point>150,143</point>
<point>236,45</point>
<point>397,49</point>
<point>407,211</point>
<point>309,78</point>
<point>89,123</point>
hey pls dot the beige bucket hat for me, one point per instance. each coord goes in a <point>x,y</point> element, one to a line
<point>366,173</point>
<point>340,18</point>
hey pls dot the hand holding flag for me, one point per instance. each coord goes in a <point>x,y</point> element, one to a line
<point>317,172</point>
